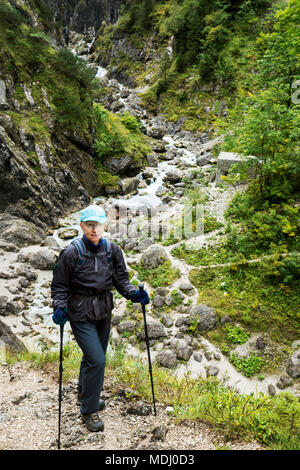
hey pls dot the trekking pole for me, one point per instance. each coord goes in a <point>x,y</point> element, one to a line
<point>60,382</point>
<point>141,287</point>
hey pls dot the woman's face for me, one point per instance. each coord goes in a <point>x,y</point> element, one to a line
<point>93,231</point>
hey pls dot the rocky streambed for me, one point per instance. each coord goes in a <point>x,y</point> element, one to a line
<point>180,159</point>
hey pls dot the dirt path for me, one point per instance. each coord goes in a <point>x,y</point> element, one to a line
<point>29,419</point>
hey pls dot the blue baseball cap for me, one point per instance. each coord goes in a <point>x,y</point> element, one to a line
<point>93,213</point>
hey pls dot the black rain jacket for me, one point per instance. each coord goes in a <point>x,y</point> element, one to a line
<point>86,289</point>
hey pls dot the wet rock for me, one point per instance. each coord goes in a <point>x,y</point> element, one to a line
<point>129,185</point>
<point>174,176</point>
<point>117,166</point>
<point>166,358</point>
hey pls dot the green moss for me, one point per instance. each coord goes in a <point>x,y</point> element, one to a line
<point>163,275</point>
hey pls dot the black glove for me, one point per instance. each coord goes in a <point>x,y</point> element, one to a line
<point>140,296</point>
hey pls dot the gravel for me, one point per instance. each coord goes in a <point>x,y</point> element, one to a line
<point>29,419</point>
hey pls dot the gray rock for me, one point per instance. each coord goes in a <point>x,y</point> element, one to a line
<point>158,301</point>
<point>156,132</point>
<point>152,160</point>
<point>212,371</point>
<point>67,233</point>
<point>271,390</point>
<point>174,176</point>
<point>19,232</point>
<point>154,256</point>
<point>155,330</point>
<point>3,103</point>
<point>284,381</point>
<point>117,166</point>
<point>293,366</point>
<point>183,350</point>
<point>197,356</point>
<point>129,185</point>
<point>159,433</point>
<point>8,307</point>
<point>125,326</point>
<point>10,339</point>
<point>166,321</point>
<point>139,408</point>
<point>203,159</point>
<point>186,286</point>
<point>43,259</point>
<point>205,316</point>
<point>166,358</point>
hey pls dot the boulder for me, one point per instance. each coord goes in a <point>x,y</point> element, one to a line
<point>293,366</point>
<point>66,234</point>
<point>174,176</point>
<point>205,316</point>
<point>166,358</point>
<point>8,307</point>
<point>126,326</point>
<point>153,257</point>
<point>117,166</point>
<point>129,185</point>
<point>156,132</point>
<point>19,232</point>
<point>10,339</point>
<point>43,259</point>
<point>155,330</point>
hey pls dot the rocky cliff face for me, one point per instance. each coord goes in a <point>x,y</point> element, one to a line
<point>45,171</point>
<point>85,16</point>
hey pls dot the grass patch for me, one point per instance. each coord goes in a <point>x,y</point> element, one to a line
<point>248,293</point>
<point>164,275</point>
<point>273,421</point>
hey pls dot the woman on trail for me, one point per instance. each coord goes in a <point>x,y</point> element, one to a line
<point>86,271</point>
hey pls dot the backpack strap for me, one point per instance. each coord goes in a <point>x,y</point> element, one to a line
<point>82,251</point>
<point>107,245</point>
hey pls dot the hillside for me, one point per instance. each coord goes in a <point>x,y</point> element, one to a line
<point>181,119</point>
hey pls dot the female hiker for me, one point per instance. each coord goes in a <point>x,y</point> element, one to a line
<point>86,271</point>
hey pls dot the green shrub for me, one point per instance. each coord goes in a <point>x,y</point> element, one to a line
<point>236,335</point>
<point>248,366</point>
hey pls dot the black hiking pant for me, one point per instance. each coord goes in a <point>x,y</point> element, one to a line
<point>92,338</point>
